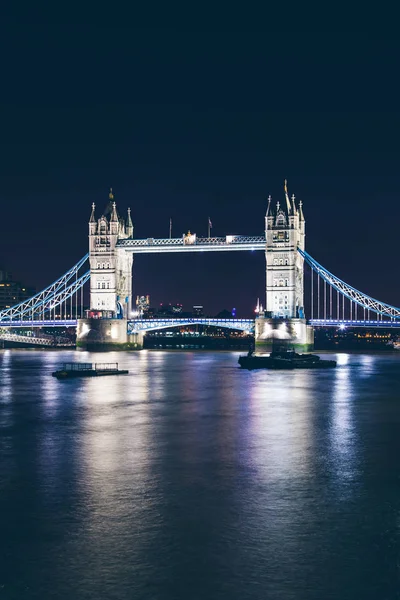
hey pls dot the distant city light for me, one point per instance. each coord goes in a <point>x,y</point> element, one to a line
<point>342,326</point>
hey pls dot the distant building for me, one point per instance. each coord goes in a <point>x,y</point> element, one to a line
<point>198,311</point>
<point>12,292</point>
<point>177,309</point>
<point>143,305</point>
<point>170,310</point>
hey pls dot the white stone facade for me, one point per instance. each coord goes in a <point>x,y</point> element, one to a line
<point>110,267</point>
<point>284,232</point>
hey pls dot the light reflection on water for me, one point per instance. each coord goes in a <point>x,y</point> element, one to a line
<point>222,482</point>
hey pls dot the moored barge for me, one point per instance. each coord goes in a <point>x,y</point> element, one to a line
<point>284,359</point>
<point>72,370</point>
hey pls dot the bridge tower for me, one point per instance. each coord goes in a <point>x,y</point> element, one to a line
<point>284,316</point>
<point>284,232</point>
<point>110,268</point>
<point>110,279</point>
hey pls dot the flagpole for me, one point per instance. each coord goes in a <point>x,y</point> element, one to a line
<point>170,228</point>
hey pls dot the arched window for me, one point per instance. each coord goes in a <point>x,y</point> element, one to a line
<point>98,285</point>
<point>286,282</point>
<point>103,286</point>
<point>275,283</point>
<point>108,285</point>
<point>281,261</point>
<point>286,261</point>
<point>281,283</point>
<point>275,261</point>
<point>103,227</point>
<point>98,265</point>
<point>281,220</point>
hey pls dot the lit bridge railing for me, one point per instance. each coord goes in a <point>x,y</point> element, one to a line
<point>40,323</point>
<point>343,324</point>
<point>143,325</point>
<point>194,244</point>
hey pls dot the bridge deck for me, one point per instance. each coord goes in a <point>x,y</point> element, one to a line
<point>136,325</point>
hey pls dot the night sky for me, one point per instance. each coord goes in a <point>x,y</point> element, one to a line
<point>195,124</point>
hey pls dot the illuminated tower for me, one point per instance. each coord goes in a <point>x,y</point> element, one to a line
<point>285,232</point>
<point>110,267</point>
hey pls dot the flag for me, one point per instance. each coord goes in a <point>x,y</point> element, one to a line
<point>209,222</point>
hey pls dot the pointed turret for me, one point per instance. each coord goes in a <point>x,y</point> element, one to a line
<point>269,205</point>
<point>114,216</point>
<point>129,225</point>
<point>301,216</point>
<point>92,221</point>
<point>92,217</point>
<point>294,205</point>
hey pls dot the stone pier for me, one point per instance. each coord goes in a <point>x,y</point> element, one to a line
<point>106,334</point>
<point>293,332</point>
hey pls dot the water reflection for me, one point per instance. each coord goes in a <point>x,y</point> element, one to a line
<point>342,432</point>
<point>281,423</point>
<point>190,476</point>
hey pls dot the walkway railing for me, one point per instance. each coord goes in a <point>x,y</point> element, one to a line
<point>193,244</point>
<point>139,325</point>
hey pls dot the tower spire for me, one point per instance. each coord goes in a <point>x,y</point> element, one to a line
<point>301,210</point>
<point>114,216</point>
<point>269,205</point>
<point>129,224</point>
<point>287,198</point>
<point>294,205</point>
<point>92,218</point>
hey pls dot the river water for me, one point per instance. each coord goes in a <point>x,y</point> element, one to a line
<point>191,479</point>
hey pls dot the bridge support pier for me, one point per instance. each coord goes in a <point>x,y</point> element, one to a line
<point>294,332</point>
<point>106,334</point>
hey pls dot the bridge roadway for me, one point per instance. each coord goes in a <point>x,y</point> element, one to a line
<point>136,325</point>
<point>40,323</point>
<point>342,324</point>
<point>194,244</point>
<point>143,325</point>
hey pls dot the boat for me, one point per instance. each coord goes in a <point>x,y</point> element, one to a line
<point>72,370</point>
<point>284,359</point>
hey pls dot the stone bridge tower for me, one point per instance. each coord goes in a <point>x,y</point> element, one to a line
<point>284,232</point>
<point>110,282</point>
<point>110,267</point>
<point>284,316</point>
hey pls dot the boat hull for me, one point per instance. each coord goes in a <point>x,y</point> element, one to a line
<point>279,363</point>
<point>87,373</point>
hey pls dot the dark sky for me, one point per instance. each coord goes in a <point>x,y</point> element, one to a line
<point>197,123</point>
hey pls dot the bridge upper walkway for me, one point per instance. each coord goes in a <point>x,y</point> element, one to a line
<point>193,244</point>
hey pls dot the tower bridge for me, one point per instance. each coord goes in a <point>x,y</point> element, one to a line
<point>112,248</point>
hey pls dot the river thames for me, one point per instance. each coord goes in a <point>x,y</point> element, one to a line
<point>191,479</point>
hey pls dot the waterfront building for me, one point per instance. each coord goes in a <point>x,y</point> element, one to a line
<point>12,292</point>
